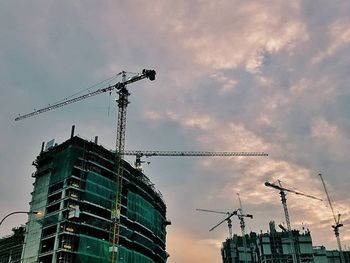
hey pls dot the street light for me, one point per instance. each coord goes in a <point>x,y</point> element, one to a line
<point>22,212</point>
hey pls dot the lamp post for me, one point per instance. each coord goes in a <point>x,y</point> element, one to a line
<point>21,212</point>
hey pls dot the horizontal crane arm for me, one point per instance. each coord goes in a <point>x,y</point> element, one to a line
<point>145,74</point>
<point>192,153</point>
<point>213,211</point>
<point>291,191</point>
<point>64,103</point>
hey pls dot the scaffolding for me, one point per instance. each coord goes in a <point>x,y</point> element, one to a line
<point>75,187</point>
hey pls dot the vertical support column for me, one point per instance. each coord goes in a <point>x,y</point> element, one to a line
<point>291,239</point>
<point>120,143</point>
<point>241,221</point>
<point>58,227</point>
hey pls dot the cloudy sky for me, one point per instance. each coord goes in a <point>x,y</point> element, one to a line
<point>235,75</point>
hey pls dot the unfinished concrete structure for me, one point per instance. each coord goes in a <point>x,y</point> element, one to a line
<point>75,187</point>
<point>270,247</point>
<point>11,246</point>
<point>275,246</point>
<point>232,250</point>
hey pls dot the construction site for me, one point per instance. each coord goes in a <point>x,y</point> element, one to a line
<point>99,208</point>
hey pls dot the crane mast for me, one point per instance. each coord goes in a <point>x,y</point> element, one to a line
<point>120,144</point>
<point>242,224</point>
<point>337,223</point>
<point>286,213</point>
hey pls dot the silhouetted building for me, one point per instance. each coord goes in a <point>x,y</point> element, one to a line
<point>233,251</point>
<point>270,247</point>
<point>322,255</point>
<point>11,246</point>
<point>277,247</point>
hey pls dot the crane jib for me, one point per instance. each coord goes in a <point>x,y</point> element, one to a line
<point>150,153</point>
<point>118,86</point>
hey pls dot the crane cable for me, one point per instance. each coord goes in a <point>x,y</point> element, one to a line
<point>108,80</point>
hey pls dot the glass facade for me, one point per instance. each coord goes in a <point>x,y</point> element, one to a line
<point>75,186</point>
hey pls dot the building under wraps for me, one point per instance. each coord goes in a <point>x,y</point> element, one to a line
<point>75,187</point>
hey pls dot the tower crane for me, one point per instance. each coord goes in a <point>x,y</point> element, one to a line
<point>139,154</point>
<point>285,208</point>
<point>228,218</point>
<point>122,101</point>
<point>337,223</point>
<point>123,94</point>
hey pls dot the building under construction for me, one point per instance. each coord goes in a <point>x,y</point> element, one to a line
<point>275,247</point>
<point>233,250</point>
<point>11,246</point>
<point>76,189</point>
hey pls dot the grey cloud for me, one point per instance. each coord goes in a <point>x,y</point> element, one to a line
<point>205,97</point>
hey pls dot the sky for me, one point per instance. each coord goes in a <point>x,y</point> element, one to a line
<point>235,75</point>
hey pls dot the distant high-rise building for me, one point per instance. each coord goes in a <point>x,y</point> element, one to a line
<point>11,246</point>
<point>75,187</point>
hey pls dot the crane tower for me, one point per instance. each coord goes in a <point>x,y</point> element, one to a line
<point>285,208</point>
<point>242,224</point>
<point>337,223</point>
<point>123,93</point>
